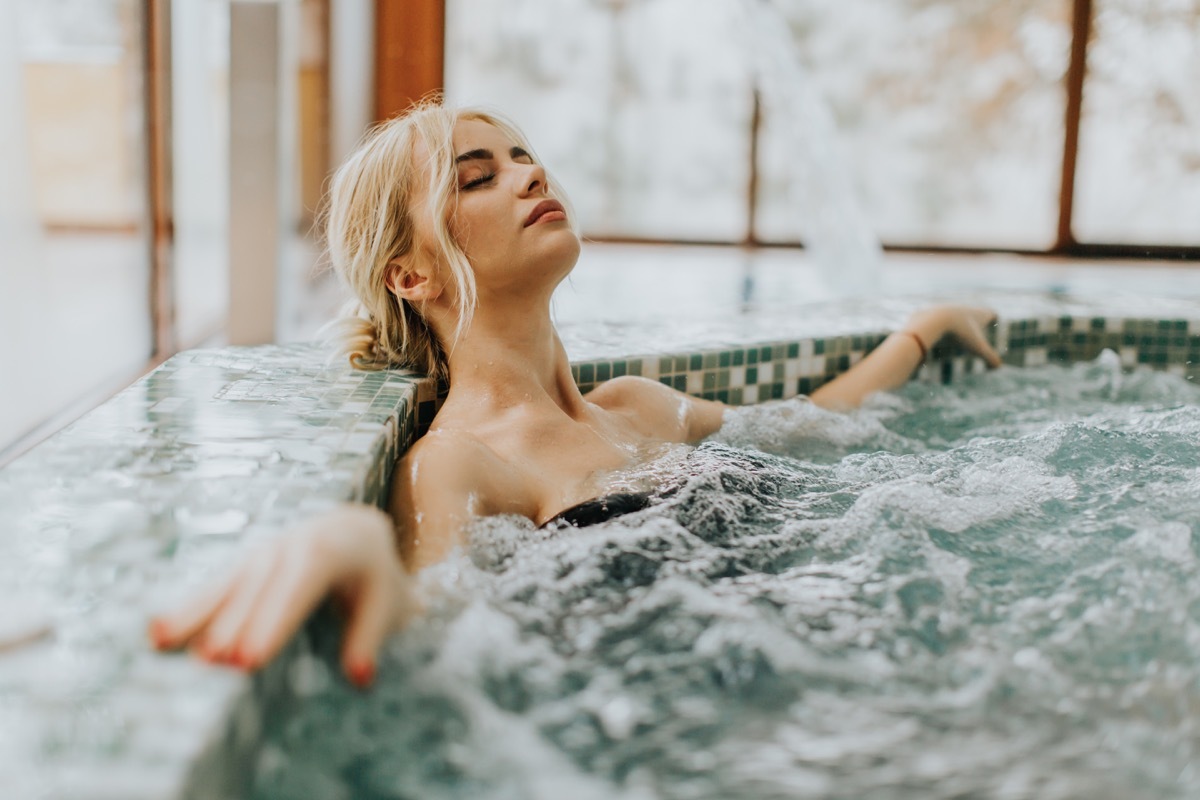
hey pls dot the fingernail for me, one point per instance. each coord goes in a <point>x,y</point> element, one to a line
<point>158,633</point>
<point>362,673</point>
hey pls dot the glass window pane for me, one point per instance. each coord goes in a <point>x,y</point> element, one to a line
<point>644,120</point>
<point>74,284</point>
<point>200,130</point>
<point>951,115</point>
<point>1138,179</point>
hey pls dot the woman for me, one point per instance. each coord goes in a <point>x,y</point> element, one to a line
<point>454,238</point>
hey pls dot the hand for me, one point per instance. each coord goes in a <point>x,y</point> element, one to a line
<point>964,323</point>
<point>349,552</point>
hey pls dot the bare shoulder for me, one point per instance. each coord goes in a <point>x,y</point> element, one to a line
<point>440,484</point>
<point>443,455</point>
<point>657,410</point>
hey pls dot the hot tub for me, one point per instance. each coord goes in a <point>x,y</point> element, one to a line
<point>675,652</point>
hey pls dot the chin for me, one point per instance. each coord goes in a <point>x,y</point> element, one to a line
<point>563,253</point>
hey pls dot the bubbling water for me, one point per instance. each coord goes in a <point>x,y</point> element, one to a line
<point>986,589</point>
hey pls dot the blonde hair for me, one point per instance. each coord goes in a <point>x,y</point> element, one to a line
<point>370,223</point>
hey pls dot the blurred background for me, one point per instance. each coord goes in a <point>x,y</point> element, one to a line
<point>162,162</point>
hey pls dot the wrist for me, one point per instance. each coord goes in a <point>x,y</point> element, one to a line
<point>922,347</point>
<point>929,326</point>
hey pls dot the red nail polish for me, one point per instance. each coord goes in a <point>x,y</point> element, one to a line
<point>362,673</point>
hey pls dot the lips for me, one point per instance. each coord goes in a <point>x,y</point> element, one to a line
<point>553,208</point>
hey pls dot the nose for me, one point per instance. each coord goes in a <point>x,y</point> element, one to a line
<point>534,181</point>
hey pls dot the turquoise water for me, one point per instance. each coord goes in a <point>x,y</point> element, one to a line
<point>982,590</point>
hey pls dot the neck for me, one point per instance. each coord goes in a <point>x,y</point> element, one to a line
<point>510,356</point>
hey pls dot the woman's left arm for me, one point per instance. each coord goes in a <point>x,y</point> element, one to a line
<point>892,363</point>
<point>671,415</point>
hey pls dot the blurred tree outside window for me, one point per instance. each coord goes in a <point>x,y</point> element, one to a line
<point>1139,144</point>
<point>951,114</point>
<point>645,119</point>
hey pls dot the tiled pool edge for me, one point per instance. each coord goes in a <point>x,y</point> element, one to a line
<point>335,435</point>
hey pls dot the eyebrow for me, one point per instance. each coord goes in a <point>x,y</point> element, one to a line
<point>487,155</point>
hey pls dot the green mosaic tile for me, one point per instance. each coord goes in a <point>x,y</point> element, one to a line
<point>603,372</point>
<point>793,350</point>
<point>619,368</point>
<point>697,363</point>
<point>751,375</point>
<point>587,373</point>
<point>724,359</point>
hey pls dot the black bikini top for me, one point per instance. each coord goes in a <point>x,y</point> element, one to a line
<point>599,509</point>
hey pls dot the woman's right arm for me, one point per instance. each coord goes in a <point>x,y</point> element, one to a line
<point>356,553</point>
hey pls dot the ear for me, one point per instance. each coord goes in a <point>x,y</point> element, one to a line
<point>411,281</point>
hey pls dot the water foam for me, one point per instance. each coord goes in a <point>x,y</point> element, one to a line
<point>977,590</point>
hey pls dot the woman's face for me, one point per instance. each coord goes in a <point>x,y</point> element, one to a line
<point>514,233</point>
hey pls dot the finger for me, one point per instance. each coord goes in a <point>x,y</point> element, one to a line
<point>977,343</point>
<point>174,629</point>
<point>367,628</point>
<point>220,636</point>
<point>990,354</point>
<point>298,587</point>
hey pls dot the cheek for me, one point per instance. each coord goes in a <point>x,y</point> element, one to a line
<point>476,232</point>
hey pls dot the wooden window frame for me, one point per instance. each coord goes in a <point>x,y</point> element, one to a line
<point>410,53</point>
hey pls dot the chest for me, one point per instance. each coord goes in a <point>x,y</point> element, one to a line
<point>550,465</point>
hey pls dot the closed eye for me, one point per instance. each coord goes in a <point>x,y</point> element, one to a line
<point>480,181</point>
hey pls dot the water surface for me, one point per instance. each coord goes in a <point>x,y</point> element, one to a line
<point>989,589</point>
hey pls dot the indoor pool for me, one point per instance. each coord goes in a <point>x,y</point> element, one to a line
<point>989,588</point>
